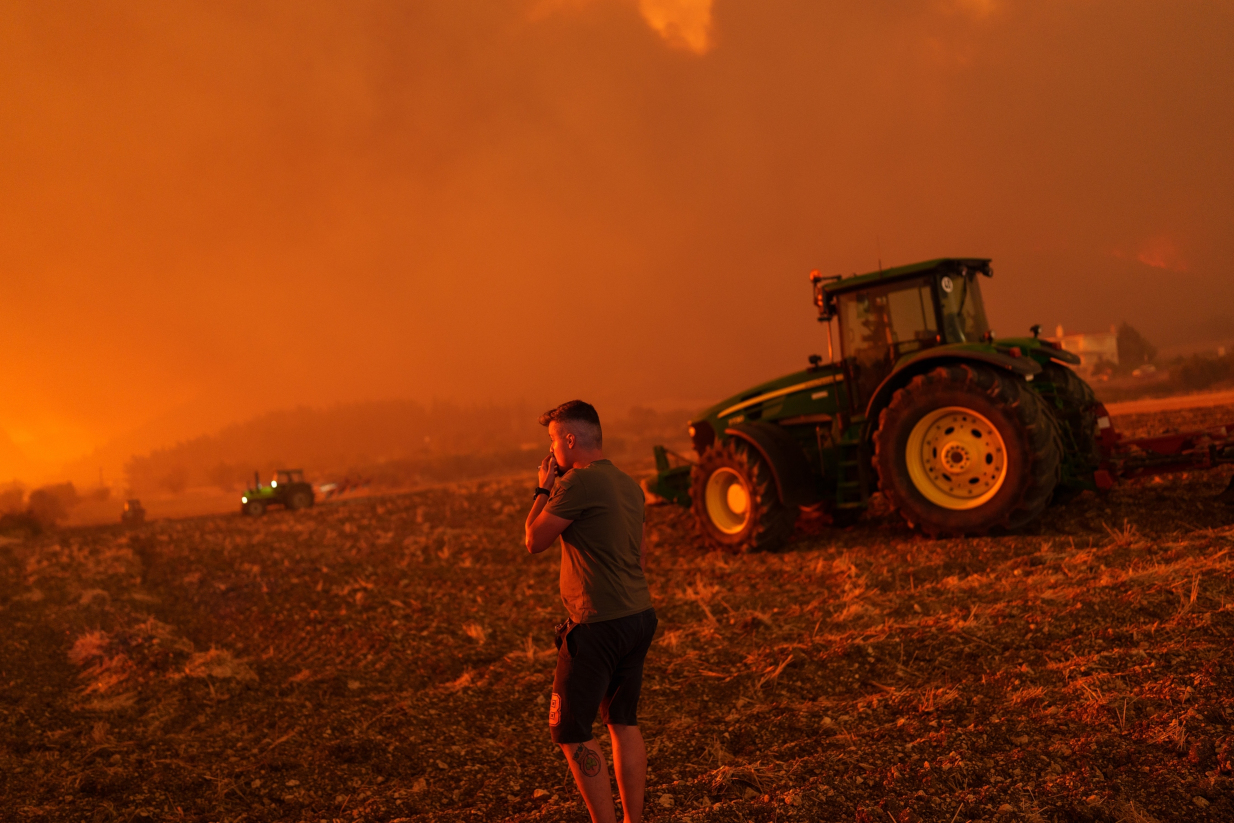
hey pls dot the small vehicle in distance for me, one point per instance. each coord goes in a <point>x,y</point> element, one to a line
<point>288,488</point>
<point>134,513</point>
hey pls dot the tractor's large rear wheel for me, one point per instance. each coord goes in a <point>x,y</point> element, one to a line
<point>735,501</point>
<point>299,499</point>
<point>1075,409</point>
<point>964,449</point>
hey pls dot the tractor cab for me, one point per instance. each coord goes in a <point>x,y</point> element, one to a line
<point>885,316</point>
<point>285,477</point>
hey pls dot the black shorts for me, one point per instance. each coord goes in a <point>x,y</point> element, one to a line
<point>599,666</point>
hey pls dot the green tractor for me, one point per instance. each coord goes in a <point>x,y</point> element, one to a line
<point>960,432</point>
<point>288,488</point>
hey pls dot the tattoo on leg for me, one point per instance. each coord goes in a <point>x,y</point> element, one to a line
<point>587,760</point>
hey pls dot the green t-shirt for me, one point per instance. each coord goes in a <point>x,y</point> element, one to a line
<point>600,574</point>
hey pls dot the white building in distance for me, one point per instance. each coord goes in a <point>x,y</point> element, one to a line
<point>1092,348</point>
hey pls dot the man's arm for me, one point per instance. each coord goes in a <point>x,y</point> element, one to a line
<point>543,528</point>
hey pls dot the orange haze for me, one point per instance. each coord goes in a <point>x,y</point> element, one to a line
<point>214,209</point>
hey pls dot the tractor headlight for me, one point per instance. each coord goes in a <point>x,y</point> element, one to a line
<point>702,435</point>
<point>244,499</point>
<point>274,484</point>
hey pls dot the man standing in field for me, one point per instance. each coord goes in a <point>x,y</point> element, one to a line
<point>597,510</point>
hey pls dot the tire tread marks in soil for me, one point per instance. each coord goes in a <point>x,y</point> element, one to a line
<point>770,522</point>
<point>1029,433</point>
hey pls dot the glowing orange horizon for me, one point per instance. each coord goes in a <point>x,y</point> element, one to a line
<point>212,213</point>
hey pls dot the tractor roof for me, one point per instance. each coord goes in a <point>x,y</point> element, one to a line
<point>981,264</point>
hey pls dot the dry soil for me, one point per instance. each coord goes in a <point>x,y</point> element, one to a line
<point>389,658</point>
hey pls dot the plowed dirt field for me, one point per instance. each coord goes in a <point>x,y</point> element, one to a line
<point>390,658</point>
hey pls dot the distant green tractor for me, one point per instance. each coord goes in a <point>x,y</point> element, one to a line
<point>288,488</point>
<point>960,432</point>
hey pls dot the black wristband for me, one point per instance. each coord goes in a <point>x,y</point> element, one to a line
<point>539,491</point>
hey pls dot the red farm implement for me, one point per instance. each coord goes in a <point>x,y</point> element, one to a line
<point>1126,458</point>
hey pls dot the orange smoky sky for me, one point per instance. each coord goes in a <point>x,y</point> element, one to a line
<point>214,209</point>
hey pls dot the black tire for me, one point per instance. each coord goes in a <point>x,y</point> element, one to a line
<point>255,508</point>
<point>738,478</point>
<point>990,428</point>
<point>1074,406</point>
<point>299,499</point>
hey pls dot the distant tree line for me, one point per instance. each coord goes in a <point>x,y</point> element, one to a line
<point>1134,350</point>
<point>1202,371</point>
<point>381,439</point>
<point>41,507</point>
<point>1196,372</point>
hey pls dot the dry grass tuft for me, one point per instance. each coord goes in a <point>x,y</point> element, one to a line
<point>1123,538</point>
<point>1125,811</point>
<point>467,678</point>
<point>772,672</point>
<point>89,646</point>
<point>219,664</point>
<point>701,593</point>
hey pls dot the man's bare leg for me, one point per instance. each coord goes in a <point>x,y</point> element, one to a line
<point>591,774</point>
<point>630,764</point>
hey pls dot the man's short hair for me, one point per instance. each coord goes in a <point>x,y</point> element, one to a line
<point>574,413</point>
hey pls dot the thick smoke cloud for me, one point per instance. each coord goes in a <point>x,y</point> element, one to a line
<point>682,23</point>
<point>216,209</point>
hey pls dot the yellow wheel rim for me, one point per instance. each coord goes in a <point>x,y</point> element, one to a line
<point>956,458</point>
<point>728,500</point>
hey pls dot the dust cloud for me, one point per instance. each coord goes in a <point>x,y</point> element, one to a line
<point>216,210</point>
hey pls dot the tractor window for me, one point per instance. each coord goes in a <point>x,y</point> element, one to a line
<point>881,324</point>
<point>912,316</point>
<point>963,312</point>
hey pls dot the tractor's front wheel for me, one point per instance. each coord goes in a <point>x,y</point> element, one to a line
<point>964,448</point>
<point>735,501</point>
<point>255,508</point>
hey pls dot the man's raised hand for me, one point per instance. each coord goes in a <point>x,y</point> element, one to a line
<point>548,472</point>
<point>543,528</point>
